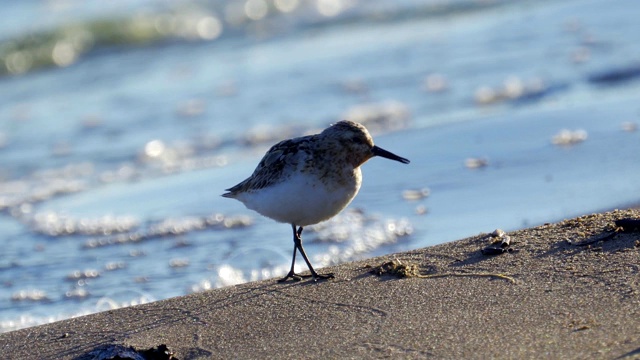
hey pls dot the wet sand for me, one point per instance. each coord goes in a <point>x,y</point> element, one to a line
<point>568,290</point>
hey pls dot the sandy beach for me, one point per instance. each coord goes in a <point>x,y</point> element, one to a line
<point>567,290</point>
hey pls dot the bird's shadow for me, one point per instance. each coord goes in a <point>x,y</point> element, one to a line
<point>630,354</point>
<point>608,241</point>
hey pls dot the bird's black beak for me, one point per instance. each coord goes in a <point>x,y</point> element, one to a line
<point>385,154</point>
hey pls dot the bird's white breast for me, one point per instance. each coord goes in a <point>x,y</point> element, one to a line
<point>303,199</point>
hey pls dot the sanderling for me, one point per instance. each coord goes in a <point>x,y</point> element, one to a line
<point>309,179</point>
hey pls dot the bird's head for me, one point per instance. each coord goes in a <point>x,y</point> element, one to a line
<point>356,143</point>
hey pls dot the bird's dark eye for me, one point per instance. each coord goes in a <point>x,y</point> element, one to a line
<point>357,140</point>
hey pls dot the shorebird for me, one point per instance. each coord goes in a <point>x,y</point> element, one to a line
<point>309,179</point>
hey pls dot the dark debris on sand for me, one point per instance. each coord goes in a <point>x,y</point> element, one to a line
<point>120,352</point>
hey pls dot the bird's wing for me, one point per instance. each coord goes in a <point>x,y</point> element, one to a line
<point>281,156</point>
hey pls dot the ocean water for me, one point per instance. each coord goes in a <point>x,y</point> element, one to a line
<point>121,126</point>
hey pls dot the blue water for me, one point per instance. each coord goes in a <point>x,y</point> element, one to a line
<point>111,167</point>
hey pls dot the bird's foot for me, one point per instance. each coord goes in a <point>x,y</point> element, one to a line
<point>297,277</point>
<point>293,276</point>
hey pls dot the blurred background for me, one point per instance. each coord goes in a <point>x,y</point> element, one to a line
<point>121,123</point>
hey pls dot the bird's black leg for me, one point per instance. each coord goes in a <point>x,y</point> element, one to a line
<point>292,274</point>
<point>298,242</point>
<point>297,245</point>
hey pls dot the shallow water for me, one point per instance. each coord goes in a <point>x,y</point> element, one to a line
<point>111,167</point>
